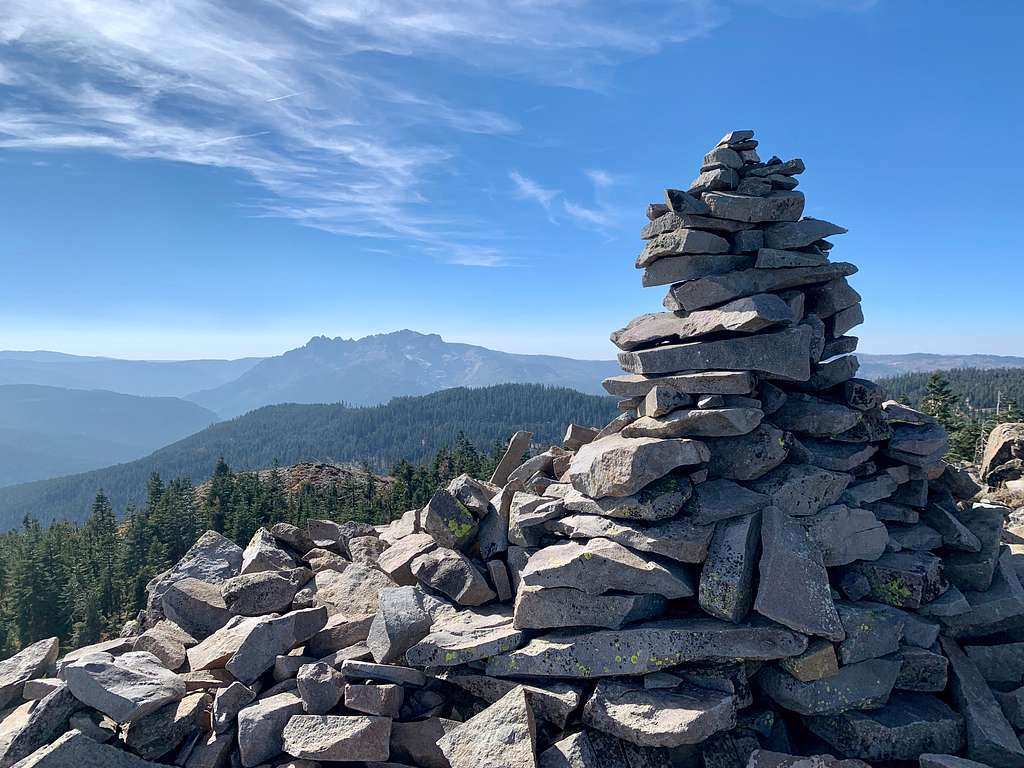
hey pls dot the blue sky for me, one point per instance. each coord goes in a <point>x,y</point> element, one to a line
<point>200,178</point>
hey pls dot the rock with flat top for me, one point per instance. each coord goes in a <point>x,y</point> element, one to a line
<point>697,422</point>
<point>227,703</point>
<point>502,736</point>
<point>801,489</point>
<point>556,607</point>
<point>396,560</point>
<point>748,456</point>
<point>679,539</point>
<point>263,592</point>
<point>156,734</point>
<point>681,241</point>
<point>620,466</point>
<point>272,638</point>
<point>775,206</point>
<point>702,382</point>
<point>213,559</point>
<point>125,687</point>
<point>76,749</point>
<point>403,618</point>
<point>812,416</point>
<point>261,726</point>
<point>336,738</point>
<point>844,535</point>
<point>263,554</point>
<point>674,269</point>
<point>31,662</point>
<point>659,500</point>
<point>355,592</point>
<point>817,662</point>
<point>466,636</point>
<point>865,685</point>
<point>713,290</point>
<point>452,574</point>
<point>721,499</point>
<point>321,687</point>
<point>196,606</point>
<point>799,234</point>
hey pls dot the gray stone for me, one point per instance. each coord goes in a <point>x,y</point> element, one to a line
<point>679,539</point>
<point>918,537</point>
<point>762,758</point>
<point>292,536</point>
<point>949,604</point>
<point>466,636</point>
<point>577,436</point>
<point>356,592</point>
<point>644,649</point>
<point>322,559</point>
<point>501,736</point>
<point>697,422</point>
<point>403,618</point>
<point>32,661</point>
<point>713,290</point>
<point>910,724</point>
<point>261,726</point>
<point>830,298</point>
<point>955,535</point>
<point>33,725</point>
<point>165,643</point>
<point>749,456</point>
<point>321,687</point>
<point>600,565</point>
<point>263,592</point>
<point>974,571</point>
<point>263,554</point>
<point>801,489</point>
<point>336,738</point>
<point>77,749</point>
<point>274,636</point>
<point>556,607</point>
<point>574,751</point>
<point>196,606</point>
<point>772,258</point>
<point>475,494</point>
<point>126,688</point>
<point>812,416</point>
<point>681,241</point>
<point>921,670</point>
<point>844,535</point>
<point>903,579</point>
<point>659,718</point>
<point>672,221</point>
<point>846,319</point>
<point>97,727</point>
<point>674,269</point>
<point>948,761</point>
<point>396,560</point>
<point>722,157</point>
<point>517,446</point>
<point>865,685</point>
<point>366,549</point>
<point>1012,704</point>
<point>212,559</point>
<point>727,580</point>
<point>794,587</point>
<point>680,203</point>
<point>415,742</point>
<point>784,354</point>
<point>721,499</point>
<point>723,179</point>
<point>34,690</point>
<point>996,609</point>
<point>340,632</point>
<point>661,400</point>
<point>1002,664</point>
<point>894,513</point>
<point>659,500</point>
<point>158,733</point>
<point>619,466</point>
<point>365,670</point>
<point>448,521</point>
<point>870,632</point>
<point>838,457</point>
<point>776,206</point>
<point>452,574</point>
<point>554,702</point>
<point>817,662</point>
<point>747,315</point>
<point>798,234</point>
<point>704,382</point>
<point>990,738</point>
<point>227,703</point>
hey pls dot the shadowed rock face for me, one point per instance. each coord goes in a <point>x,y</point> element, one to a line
<point>760,551</point>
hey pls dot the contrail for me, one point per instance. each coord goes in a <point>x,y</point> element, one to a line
<point>286,96</point>
<point>232,138</point>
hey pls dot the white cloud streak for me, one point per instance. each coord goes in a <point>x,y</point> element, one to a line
<point>282,92</point>
<point>528,189</point>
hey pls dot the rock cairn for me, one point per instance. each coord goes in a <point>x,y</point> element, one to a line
<point>760,559</point>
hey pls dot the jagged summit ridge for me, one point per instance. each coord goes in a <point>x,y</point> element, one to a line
<point>760,553</point>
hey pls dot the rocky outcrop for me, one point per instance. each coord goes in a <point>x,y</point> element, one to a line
<point>761,553</point>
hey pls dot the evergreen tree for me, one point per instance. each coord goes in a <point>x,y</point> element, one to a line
<point>940,402</point>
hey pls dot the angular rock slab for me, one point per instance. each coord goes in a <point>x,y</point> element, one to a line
<point>31,662</point>
<point>865,685</point>
<point>794,588</point>
<point>451,573</point>
<point>704,383</point>
<point>554,702</point>
<point>644,649</point>
<point>678,539</point>
<point>213,559</point>
<point>78,750</point>
<point>909,725</point>
<point>502,736</point>
<point>990,738</point>
<point>660,500</point>
<point>335,738</point>
<point>903,579</point>
<point>726,588</point>
<point>785,354</point>
<point>718,289</point>
<point>801,489</point>
<point>659,718</point>
<point>775,206</point>
<point>261,725</point>
<point>126,688</point>
<point>448,521</point>
<point>845,535</point>
<point>600,566</point>
<point>619,466</point>
<point>762,758</point>
<point>356,592</point>
<point>749,456</point>
<point>557,607</point>
<point>466,636</point>
<point>696,422</point>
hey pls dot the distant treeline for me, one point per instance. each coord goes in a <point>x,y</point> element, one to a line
<point>82,582</point>
<point>411,429</point>
<point>973,387</point>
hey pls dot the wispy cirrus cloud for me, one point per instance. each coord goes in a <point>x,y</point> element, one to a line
<point>282,92</point>
<point>528,189</point>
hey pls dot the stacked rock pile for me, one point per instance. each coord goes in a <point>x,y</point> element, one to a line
<point>760,558</point>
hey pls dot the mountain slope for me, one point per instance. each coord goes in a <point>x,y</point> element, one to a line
<point>374,369</point>
<point>879,366</point>
<point>47,431</point>
<point>412,428</point>
<point>146,378</point>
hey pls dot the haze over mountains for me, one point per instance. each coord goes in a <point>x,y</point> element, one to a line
<point>92,412</point>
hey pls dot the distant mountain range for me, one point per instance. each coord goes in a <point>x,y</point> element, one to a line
<point>47,431</point>
<point>377,368</point>
<point>411,428</point>
<point>881,366</point>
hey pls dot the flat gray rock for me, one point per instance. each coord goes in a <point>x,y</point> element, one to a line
<point>644,649</point>
<point>838,457</point>
<point>749,456</point>
<point>125,687</point>
<point>718,289</point>
<point>922,670</point>
<point>227,703</point>
<point>321,687</point>
<point>32,661</point>
<point>448,521</point>
<point>870,632</point>
<point>518,445</point>
<point>356,592</point>
<point>196,606</point>
<point>681,203</point>
<point>704,382</point>
<point>844,535</point>
<point>619,466</point>
<point>256,594</point>
<point>557,607</point>
<point>502,736</point>
<point>659,500</point>
<point>747,315</point>
<point>674,269</point>
<point>659,718</point>
<point>990,738</point>
<point>34,725</point>
<point>272,638</point>
<point>799,234</point>
<point>996,609</point>
<point>396,560</point>
<point>679,539</point>
<point>696,422</point>
<point>600,565</point>
<point>336,738</point>
<point>727,580</point>
<point>77,749</point>
<point>794,588</point>
<point>909,725</point>
<point>554,702</point>
<point>452,574</point>
<point>815,417</point>
<point>261,726</point>
<point>865,685</point>
<point>817,662</point>
<point>776,206</point>
<point>263,554</point>
<point>773,258</point>
<point>903,579</point>
<point>466,636</point>
<point>784,354</point>
<point>156,734</point>
<point>801,489</point>
<point>574,751</point>
<point>680,241</point>
<point>213,559</point>
<point>720,499</point>
<point>403,618</point>
<point>663,399</point>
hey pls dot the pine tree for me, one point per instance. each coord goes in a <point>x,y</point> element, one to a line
<point>940,402</point>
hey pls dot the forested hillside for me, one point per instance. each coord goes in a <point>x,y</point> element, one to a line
<point>978,387</point>
<point>407,428</point>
